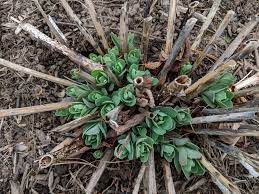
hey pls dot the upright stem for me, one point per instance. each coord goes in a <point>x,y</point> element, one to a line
<point>145,37</point>
<point>124,28</point>
<point>169,184</point>
<point>170,26</point>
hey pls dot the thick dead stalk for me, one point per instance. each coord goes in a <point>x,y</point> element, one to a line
<point>229,16</point>
<point>247,91</point>
<point>86,76</point>
<point>34,109</point>
<point>241,132</point>
<point>206,24</point>
<point>223,117</point>
<point>135,120</point>
<point>251,81</point>
<point>249,48</point>
<point>151,174</point>
<point>22,69</point>
<point>218,111</point>
<point>223,183</point>
<point>176,49</point>
<point>198,85</point>
<point>82,29</point>
<point>52,26</point>
<point>97,24</point>
<point>98,173</point>
<point>73,124</point>
<point>47,41</point>
<point>124,28</point>
<point>170,27</point>
<point>196,15</point>
<point>236,42</point>
<point>145,37</point>
<point>139,179</point>
<point>169,184</point>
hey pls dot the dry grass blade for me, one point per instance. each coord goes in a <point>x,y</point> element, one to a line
<point>206,24</point>
<point>229,16</point>
<point>98,173</point>
<point>170,27</point>
<point>52,26</point>
<point>195,88</point>
<point>124,27</point>
<point>168,178</point>
<point>176,49</point>
<point>97,24</point>
<point>78,22</point>
<point>236,42</point>
<point>139,179</point>
<point>223,183</point>
<point>34,109</point>
<point>47,41</point>
<point>44,76</point>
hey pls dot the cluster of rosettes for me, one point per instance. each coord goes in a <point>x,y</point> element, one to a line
<point>105,95</point>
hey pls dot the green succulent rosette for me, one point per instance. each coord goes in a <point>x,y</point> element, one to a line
<point>144,146</point>
<point>101,77</point>
<point>183,116</point>
<point>162,120</point>
<point>93,133</point>
<point>125,147</point>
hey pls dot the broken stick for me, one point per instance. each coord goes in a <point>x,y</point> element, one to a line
<point>124,27</point>
<point>169,184</point>
<point>34,109</point>
<point>139,179</point>
<point>34,73</point>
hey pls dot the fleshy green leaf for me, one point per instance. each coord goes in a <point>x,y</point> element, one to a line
<point>98,154</point>
<point>101,77</point>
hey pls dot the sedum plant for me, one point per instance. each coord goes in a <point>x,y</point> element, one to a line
<point>161,126</point>
<point>218,94</point>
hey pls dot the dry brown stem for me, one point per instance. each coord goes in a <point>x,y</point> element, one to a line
<point>170,27</point>
<point>223,183</point>
<point>47,41</point>
<point>235,43</point>
<point>176,49</point>
<point>73,124</point>
<point>251,81</point>
<point>124,27</point>
<point>34,109</point>
<point>223,117</point>
<point>196,15</point>
<point>247,91</point>
<point>98,173</point>
<point>135,120</point>
<point>169,184</point>
<point>229,16</point>
<point>219,111</point>
<point>22,69</point>
<point>206,24</point>
<point>86,76</point>
<point>97,24</point>
<point>52,26</point>
<point>249,48</point>
<point>145,37</point>
<point>198,85</point>
<point>82,29</point>
<point>139,179</point>
<point>151,174</point>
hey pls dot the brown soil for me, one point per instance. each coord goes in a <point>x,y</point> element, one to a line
<point>20,90</point>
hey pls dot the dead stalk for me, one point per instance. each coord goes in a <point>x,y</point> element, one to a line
<point>218,111</point>
<point>176,49</point>
<point>73,124</point>
<point>241,132</point>
<point>247,91</point>
<point>251,81</point>
<point>170,27</point>
<point>229,16</point>
<point>135,120</point>
<point>256,56</point>
<point>223,183</point>
<point>179,84</point>
<point>151,174</point>
<point>169,184</point>
<point>86,76</point>
<point>47,41</point>
<point>98,173</point>
<point>52,26</point>
<point>139,179</point>
<point>34,109</point>
<point>145,37</point>
<point>124,28</point>
<point>223,118</point>
<point>97,24</point>
<point>196,15</point>
<point>206,24</point>
<point>249,48</point>
<point>236,42</point>
<point>22,69</point>
<point>198,85</point>
<point>82,29</point>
